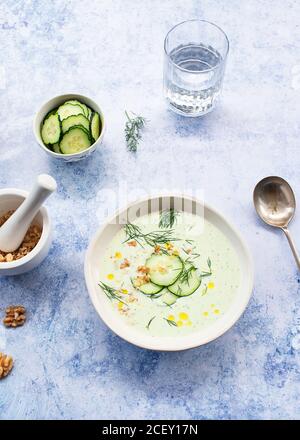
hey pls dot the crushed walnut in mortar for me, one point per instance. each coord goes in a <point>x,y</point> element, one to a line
<point>30,241</point>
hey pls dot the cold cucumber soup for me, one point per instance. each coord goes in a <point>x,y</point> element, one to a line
<point>169,274</point>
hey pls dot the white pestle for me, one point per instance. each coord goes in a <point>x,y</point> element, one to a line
<point>14,229</point>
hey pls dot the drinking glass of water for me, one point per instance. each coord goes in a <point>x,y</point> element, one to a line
<point>194,66</point>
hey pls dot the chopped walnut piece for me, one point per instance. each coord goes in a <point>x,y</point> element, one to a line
<point>15,316</point>
<point>132,299</point>
<point>126,263</point>
<point>143,269</point>
<point>6,364</point>
<point>141,280</point>
<point>157,249</point>
<point>132,243</point>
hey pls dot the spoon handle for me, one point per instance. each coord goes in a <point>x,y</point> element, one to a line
<point>292,246</point>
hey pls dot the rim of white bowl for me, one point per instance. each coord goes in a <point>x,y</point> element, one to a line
<point>43,239</point>
<point>67,96</point>
<point>192,340</point>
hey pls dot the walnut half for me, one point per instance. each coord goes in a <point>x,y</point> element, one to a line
<point>15,316</point>
<point>6,364</point>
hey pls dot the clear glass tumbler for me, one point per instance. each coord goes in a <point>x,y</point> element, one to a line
<point>194,66</point>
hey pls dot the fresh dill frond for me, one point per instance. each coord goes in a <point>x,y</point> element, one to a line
<point>190,242</point>
<point>204,291</point>
<point>155,238</point>
<point>150,321</point>
<point>207,273</point>
<point>168,218</point>
<point>185,275</point>
<point>133,129</point>
<point>111,293</point>
<point>171,322</point>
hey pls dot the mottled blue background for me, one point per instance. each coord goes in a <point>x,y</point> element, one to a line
<point>67,363</point>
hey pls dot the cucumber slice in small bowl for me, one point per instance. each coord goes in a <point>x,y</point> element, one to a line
<point>81,104</point>
<point>56,149</point>
<point>51,129</point>
<point>75,140</point>
<point>66,110</point>
<point>73,120</point>
<point>95,125</point>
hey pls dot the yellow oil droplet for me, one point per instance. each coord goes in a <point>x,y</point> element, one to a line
<point>110,276</point>
<point>205,313</point>
<point>212,306</point>
<point>120,305</point>
<point>216,311</point>
<point>179,323</point>
<point>125,291</point>
<point>118,255</point>
<point>171,318</point>
<point>211,285</point>
<point>184,316</point>
<point>189,323</point>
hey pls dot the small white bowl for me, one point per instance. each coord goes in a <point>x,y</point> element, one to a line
<point>11,199</point>
<point>103,237</point>
<point>56,102</point>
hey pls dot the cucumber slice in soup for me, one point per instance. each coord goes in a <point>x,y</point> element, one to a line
<point>66,110</point>
<point>75,120</point>
<point>76,139</point>
<point>164,269</point>
<point>51,129</point>
<point>95,125</point>
<point>56,148</point>
<point>169,298</point>
<point>148,288</point>
<point>75,102</point>
<point>187,283</point>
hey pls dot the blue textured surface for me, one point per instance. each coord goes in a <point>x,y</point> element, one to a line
<point>67,363</point>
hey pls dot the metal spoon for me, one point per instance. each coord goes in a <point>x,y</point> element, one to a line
<point>275,204</point>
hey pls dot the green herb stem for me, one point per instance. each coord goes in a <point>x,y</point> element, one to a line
<point>133,128</point>
<point>168,219</point>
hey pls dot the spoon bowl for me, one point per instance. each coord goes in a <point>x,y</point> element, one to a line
<point>275,203</point>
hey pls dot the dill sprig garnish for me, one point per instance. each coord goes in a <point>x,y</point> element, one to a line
<point>204,291</point>
<point>150,321</point>
<point>133,128</point>
<point>171,322</point>
<point>207,273</point>
<point>190,242</point>
<point>111,293</point>
<point>155,238</point>
<point>168,219</point>
<point>186,273</point>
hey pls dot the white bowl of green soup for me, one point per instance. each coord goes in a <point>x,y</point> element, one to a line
<point>169,273</point>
